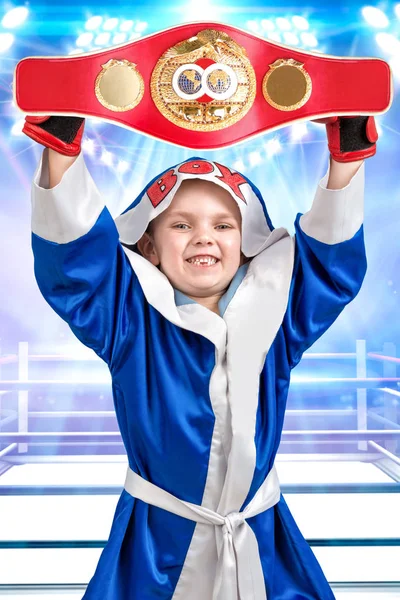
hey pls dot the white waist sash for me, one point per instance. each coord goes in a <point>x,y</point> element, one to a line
<point>239,574</point>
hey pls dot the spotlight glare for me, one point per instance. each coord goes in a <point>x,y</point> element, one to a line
<point>388,42</point>
<point>119,38</point>
<point>255,158</point>
<point>273,147</point>
<point>6,41</point>
<point>290,38</point>
<point>140,26</point>
<point>88,145</point>
<point>253,26</point>
<point>93,23</point>
<point>102,39</point>
<point>298,131</point>
<point>239,165</point>
<point>14,17</point>
<point>17,127</point>
<point>123,166</point>
<point>267,24</point>
<point>309,39</point>
<point>107,158</point>
<point>274,36</point>
<point>110,24</point>
<point>378,128</point>
<point>395,66</point>
<point>397,10</point>
<point>126,25</point>
<point>84,39</point>
<point>283,24</point>
<point>300,22</point>
<point>375,16</point>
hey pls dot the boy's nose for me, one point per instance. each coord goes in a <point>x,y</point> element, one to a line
<point>204,241</point>
<point>203,237</point>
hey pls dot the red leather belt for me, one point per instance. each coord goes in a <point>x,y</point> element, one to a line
<point>202,85</point>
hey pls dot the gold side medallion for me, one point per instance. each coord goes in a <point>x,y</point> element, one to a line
<point>204,83</point>
<point>119,86</point>
<point>287,85</point>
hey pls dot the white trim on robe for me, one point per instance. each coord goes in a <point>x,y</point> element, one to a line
<point>336,215</point>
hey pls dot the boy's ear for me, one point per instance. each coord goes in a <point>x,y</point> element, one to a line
<point>147,248</point>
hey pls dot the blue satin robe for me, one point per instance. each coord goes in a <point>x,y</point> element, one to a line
<point>160,384</point>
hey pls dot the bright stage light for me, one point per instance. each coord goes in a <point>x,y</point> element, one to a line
<point>397,11</point>
<point>119,38</point>
<point>93,23</point>
<point>6,41</point>
<point>309,39</point>
<point>388,42</point>
<point>283,24</point>
<point>378,127</point>
<point>300,22</point>
<point>17,127</point>
<point>15,17</point>
<point>273,147</point>
<point>102,39</point>
<point>253,26</point>
<point>255,158</point>
<point>140,26</point>
<point>126,25</point>
<point>290,38</point>
<point>110,24</point>
<point>195,11</point>
<point>123,166</point>
<point>298,131</point>
<point>84,39</point>
<point>395,66</point>
<point>274,36</point>
<point>267,24</point>
<point>107,158</point>
<point>239,165</point>
<point>375,16</point>
<point>88,146</point>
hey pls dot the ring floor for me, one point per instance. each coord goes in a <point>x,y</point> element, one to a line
<point>369,572</point>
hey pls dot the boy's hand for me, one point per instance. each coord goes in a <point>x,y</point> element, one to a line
<point>63,134</point>
<point>350,138</point>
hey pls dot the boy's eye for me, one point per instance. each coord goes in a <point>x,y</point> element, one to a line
<point>180,225</point>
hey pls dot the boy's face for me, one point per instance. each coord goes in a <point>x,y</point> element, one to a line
<point>202,219</point>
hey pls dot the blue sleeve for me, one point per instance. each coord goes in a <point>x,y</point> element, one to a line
<point>80,266</point>
<point>326,277</point>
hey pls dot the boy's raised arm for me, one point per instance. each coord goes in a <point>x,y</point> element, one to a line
<point>81,268</point>
<point>340,174</point>
<point>330,261</point>
<point>58,164</point>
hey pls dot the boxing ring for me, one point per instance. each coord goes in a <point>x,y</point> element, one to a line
<point>73,462</point>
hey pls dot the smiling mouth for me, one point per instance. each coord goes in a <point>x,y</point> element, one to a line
<point>206,264</point>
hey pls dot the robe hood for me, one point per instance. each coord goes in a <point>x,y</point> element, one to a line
<point>159,193</point>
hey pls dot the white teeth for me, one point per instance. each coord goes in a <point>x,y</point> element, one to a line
<point>203,261</point>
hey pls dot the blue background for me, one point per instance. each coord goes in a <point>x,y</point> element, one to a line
<point>121,161</point>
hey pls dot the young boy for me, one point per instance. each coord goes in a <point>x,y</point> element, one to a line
<point>200,352</point>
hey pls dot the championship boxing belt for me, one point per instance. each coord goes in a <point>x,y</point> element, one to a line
<point>202,85</point>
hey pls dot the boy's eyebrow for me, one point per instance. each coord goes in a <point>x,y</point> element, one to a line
<point>221,215</point>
